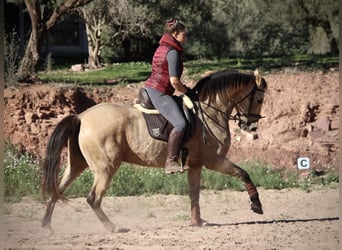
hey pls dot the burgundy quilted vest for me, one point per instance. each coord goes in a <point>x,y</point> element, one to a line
<point>159,78</point>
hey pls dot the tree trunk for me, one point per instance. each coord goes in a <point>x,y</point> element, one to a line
<point>94,42</point>
<point>28,70</point>
<point>43,17</point>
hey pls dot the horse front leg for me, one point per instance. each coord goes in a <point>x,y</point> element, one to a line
<point>225,166</point>
<point>194,180</point>
<point>254,197</point>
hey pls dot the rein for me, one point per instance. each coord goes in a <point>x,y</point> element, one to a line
<point>202,112</point>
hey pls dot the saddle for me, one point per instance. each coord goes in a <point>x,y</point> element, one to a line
<point>158,127</point>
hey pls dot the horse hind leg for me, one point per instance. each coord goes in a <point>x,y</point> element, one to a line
<point>102,179</point>
<point>46,222</point>
<point>76,165</point>
<point>69,175</point>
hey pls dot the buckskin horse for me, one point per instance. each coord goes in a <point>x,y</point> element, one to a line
<point>107,134</point>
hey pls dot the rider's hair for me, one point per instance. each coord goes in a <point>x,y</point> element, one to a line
<point>173,25</point>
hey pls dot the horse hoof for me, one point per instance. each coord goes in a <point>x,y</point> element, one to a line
<point>201,223</point>
<point>256,208</point>
<point>116,229</point>
<point>256,204</point>
<point>121,230</point>
<point>204,223</point>
<point>50,231</point>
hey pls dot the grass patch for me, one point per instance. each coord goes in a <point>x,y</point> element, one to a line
<point>23,173</point>
<point>130,181</point>
<point>132,72</point>
<point>119,73</point>
<point>303,62</point>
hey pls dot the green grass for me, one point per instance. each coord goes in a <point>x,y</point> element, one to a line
<point>132,72</point>
<point>118,73</point>
<point>303,62</point>
<point>23,175</point>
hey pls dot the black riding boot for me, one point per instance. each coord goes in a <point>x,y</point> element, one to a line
<point>173,145</point>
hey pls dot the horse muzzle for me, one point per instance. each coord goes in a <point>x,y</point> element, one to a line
<point>246,124</point>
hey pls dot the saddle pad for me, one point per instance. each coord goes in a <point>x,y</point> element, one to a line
<point>158,127</point>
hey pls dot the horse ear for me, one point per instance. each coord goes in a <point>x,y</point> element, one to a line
<point>257,77</point>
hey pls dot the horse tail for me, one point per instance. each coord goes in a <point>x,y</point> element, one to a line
<point>68,127</point>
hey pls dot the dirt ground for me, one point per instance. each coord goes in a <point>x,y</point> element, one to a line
<point>292,219</point>
<point>302,114</point>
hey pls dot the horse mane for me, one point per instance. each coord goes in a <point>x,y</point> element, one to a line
<point>222,84</point>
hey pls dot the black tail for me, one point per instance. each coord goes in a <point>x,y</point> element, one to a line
<point>66,128</point>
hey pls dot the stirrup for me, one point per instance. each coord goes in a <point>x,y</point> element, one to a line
<point>176,169</point>
<point>172,166</point>
<point>184,168</point>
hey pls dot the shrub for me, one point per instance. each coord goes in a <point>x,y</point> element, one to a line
<point>11,58</point>
<point>23,174</point>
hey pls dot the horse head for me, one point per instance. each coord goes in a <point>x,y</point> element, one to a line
<point>249,106</point>
<point>244,92</point>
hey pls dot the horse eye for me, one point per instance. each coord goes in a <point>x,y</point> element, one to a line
<point>260,101</point>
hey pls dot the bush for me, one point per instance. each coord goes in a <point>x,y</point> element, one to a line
<point>142,180</point>
<point>23,174</point>
<point>11,58</point>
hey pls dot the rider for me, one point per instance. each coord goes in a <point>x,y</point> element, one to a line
<point>165,87</point>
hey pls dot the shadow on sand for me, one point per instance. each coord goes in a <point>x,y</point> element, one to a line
<point>273,221</point>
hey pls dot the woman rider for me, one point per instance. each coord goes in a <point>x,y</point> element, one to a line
<point>164,87</point>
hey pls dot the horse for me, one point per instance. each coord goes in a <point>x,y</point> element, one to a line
<point>103,136</point>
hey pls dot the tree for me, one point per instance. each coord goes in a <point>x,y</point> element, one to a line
<point>298,26</point>
<point>94,15</point>
<point>44,15</point>
<point>322,16</point>
<point>112,23</point>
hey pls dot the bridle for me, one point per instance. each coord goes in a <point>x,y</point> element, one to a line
<point>241,118</point>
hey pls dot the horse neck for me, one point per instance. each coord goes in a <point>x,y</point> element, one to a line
<point>217,109</point>
<point>215,118</point>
